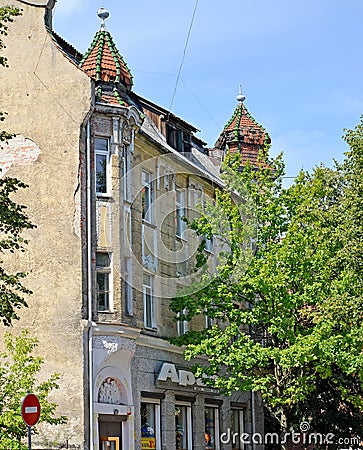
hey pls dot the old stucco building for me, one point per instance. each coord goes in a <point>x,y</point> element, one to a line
<point>110,177</point>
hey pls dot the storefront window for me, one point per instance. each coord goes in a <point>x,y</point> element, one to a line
<point>150,426</point>
<point>237,421</point>
<point>211,428</point>
<point>183,434</point>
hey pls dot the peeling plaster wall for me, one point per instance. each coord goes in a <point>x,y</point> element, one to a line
<point>47,98</point>
<point>18,151</point>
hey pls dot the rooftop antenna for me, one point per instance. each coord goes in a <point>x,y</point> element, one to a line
<point>103,14</point>
<point>240,97</point>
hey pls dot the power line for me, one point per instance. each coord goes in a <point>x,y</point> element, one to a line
<point>184,53</point>
<point>189,89</point>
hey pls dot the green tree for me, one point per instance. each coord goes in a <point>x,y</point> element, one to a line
<point>19,372</point>
<point>287,316</point>
<point>13,220</point>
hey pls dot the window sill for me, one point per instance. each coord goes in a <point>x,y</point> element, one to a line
<point>181,239</point>
<point>147,330</point>
<point>149,224</point>
<point>103,196</point>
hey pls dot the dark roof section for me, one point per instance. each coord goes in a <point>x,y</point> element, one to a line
<point>153,107</point>
<point>70,51</point>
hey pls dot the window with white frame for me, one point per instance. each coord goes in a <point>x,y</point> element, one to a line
<point>209,245</point>
<point>150,425</point>
<point>180,212</point>
<point>182,325</point>
<point>129,305</point>
<point>102,166</point>
<point>208,241</point>
<point>168,181</point>
<point>238,428</point>
<point>211,427</point>
<point>183,426</point>
<point>126,166</point>
<point>103,278</point>
<point>149,301</point>
<point>147,195</point>
<point>209,321</point>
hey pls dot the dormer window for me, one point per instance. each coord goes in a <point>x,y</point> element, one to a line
<point>178,139</point>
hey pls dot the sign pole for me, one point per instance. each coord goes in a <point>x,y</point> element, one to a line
<point>29,438</point>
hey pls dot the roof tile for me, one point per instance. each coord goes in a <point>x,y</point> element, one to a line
<point>103,62</point>
<point>243,134</point>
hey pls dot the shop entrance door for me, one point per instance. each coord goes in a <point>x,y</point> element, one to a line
<point>110,443</point>
<point>110,432</point>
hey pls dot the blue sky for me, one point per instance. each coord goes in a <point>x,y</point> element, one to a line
<point>299,63</point>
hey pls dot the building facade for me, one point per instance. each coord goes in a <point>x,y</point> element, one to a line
<point>111,176</point>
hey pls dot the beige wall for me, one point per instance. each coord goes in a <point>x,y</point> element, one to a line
<point>172,259</point>
<point>47,98</point>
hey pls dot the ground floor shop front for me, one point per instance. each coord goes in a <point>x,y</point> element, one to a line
<point>146,397</point>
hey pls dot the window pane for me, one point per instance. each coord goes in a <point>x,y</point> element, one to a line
<point>103,278</point>
<point>170,136</point>
<point>147,280</point>
<point>182,325</point>
<point>237,421</point>
<point>148,310</point>
<point>179,142</point>
<point>148,426</point>
<point>145,201</point>
<point>209,244</point>
<point>181,427</point>
<point>102,291</point>
<point>101,144</point>
<point>102,260</point>
<point>210,427</point>
<point>101,173</point>
<point>145,177</point>
<point>146,196</point>
<point>179,221</point>
<point>180,212</point>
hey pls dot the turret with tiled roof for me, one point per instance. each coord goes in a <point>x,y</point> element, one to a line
<point>243,134</point>
<point>103,63</point>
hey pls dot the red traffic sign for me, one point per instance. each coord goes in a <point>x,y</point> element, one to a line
<point>30,410</point>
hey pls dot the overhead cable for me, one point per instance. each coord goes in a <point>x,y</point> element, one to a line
<point>183,57</point>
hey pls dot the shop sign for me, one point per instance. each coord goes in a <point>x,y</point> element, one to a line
<point>182,377</point>
<point>148,443</point>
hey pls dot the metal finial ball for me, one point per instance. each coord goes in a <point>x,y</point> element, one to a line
<point>103,13</point>
<point>241,98</point>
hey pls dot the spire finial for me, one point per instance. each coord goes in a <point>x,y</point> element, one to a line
<point>103,14</point>
<point>240,97</point>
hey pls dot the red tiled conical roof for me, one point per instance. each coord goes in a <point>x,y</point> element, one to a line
<point>103,62</point>
<point>243,134</point>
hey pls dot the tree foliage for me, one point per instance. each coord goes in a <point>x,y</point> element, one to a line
<point>13,220</point>
<point>288,317</point>
<point>19,373</point>
<point>6,16</point>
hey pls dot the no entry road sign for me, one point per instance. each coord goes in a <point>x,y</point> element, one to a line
<point>30,410</point>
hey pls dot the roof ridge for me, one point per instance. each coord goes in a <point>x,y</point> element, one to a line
<point>90,48</point>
